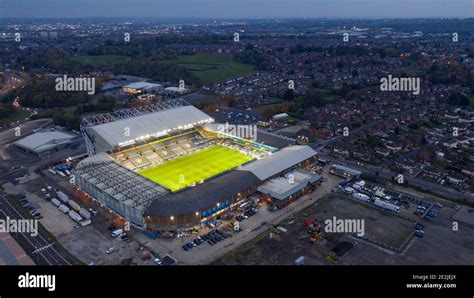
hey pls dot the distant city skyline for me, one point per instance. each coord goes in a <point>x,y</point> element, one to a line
<point>237,8</point>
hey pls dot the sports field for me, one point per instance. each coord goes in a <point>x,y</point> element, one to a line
<point>211,68</point>
<point>185,170</point>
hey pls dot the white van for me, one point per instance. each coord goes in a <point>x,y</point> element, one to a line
<point>117,232</point>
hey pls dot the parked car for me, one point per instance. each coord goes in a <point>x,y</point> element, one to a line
<point>110,250</point>
<point>419,226</point>
<point>419,233</point>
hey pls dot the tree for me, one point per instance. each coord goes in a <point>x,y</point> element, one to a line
<point>458,100</point>
<point>289,94</point>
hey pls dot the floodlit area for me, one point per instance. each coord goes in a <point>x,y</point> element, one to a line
<point>183,171</point>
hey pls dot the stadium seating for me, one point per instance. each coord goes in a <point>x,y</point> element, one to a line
<point>158,151</point>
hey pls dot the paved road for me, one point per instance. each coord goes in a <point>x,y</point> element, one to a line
<point>41,249</point>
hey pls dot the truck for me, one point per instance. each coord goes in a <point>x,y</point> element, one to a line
<point>55,202</point>
<point>74,215</point>
<point>361,196</point>
<point>63,208</point>
<point>85,222</point>
<point>61,173</point>
<point>52,171</point>
<point>84,213</point>
<point>387,206</point>
<point>74,205</point>
<point>62,196</point>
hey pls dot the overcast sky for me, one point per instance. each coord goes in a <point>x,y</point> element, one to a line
<point>237,8</point>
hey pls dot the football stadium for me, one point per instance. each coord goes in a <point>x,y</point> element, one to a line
<point>169,167</point>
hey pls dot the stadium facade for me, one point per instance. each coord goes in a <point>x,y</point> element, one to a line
<point>123,143</point>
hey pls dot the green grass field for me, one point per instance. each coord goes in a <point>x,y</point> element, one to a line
<point>185,170</point>
<point>211,68</point>
<point>100,59</point>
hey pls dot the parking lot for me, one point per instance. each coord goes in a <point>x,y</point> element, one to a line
<point>91,244</point>
<point>101,249</point>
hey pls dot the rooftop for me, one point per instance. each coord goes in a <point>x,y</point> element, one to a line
<point>279,161</point>
<point>45,140</point>
<point>203,196</point>
<point>142,85</point>
<point>129,130</point>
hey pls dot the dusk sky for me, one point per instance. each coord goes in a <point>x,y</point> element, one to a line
<point>237,8</point>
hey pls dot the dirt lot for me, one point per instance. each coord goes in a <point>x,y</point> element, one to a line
<point>440,245</point>
<point>90,244</point>
<point>285,247</point>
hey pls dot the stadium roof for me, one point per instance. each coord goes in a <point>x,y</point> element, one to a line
<point>203,196</point>
<point>273,140</point>
<point>122,184</point>
<point>125,131</point>
<point>279,161</point>
<point>45,140</point>
<point>142,85</point>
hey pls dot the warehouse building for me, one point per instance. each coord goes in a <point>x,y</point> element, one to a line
<point>141,88</point>
<point>345,172</point>
<point>283,190</point>
<point>47,142</point>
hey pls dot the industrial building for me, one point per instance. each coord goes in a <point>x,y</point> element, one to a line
<point>345,172</point>
<point>46,142</point>
<point>142,87</point>
<point>283,190</point>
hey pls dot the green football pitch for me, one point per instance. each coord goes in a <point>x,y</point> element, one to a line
<point>185,170</point>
